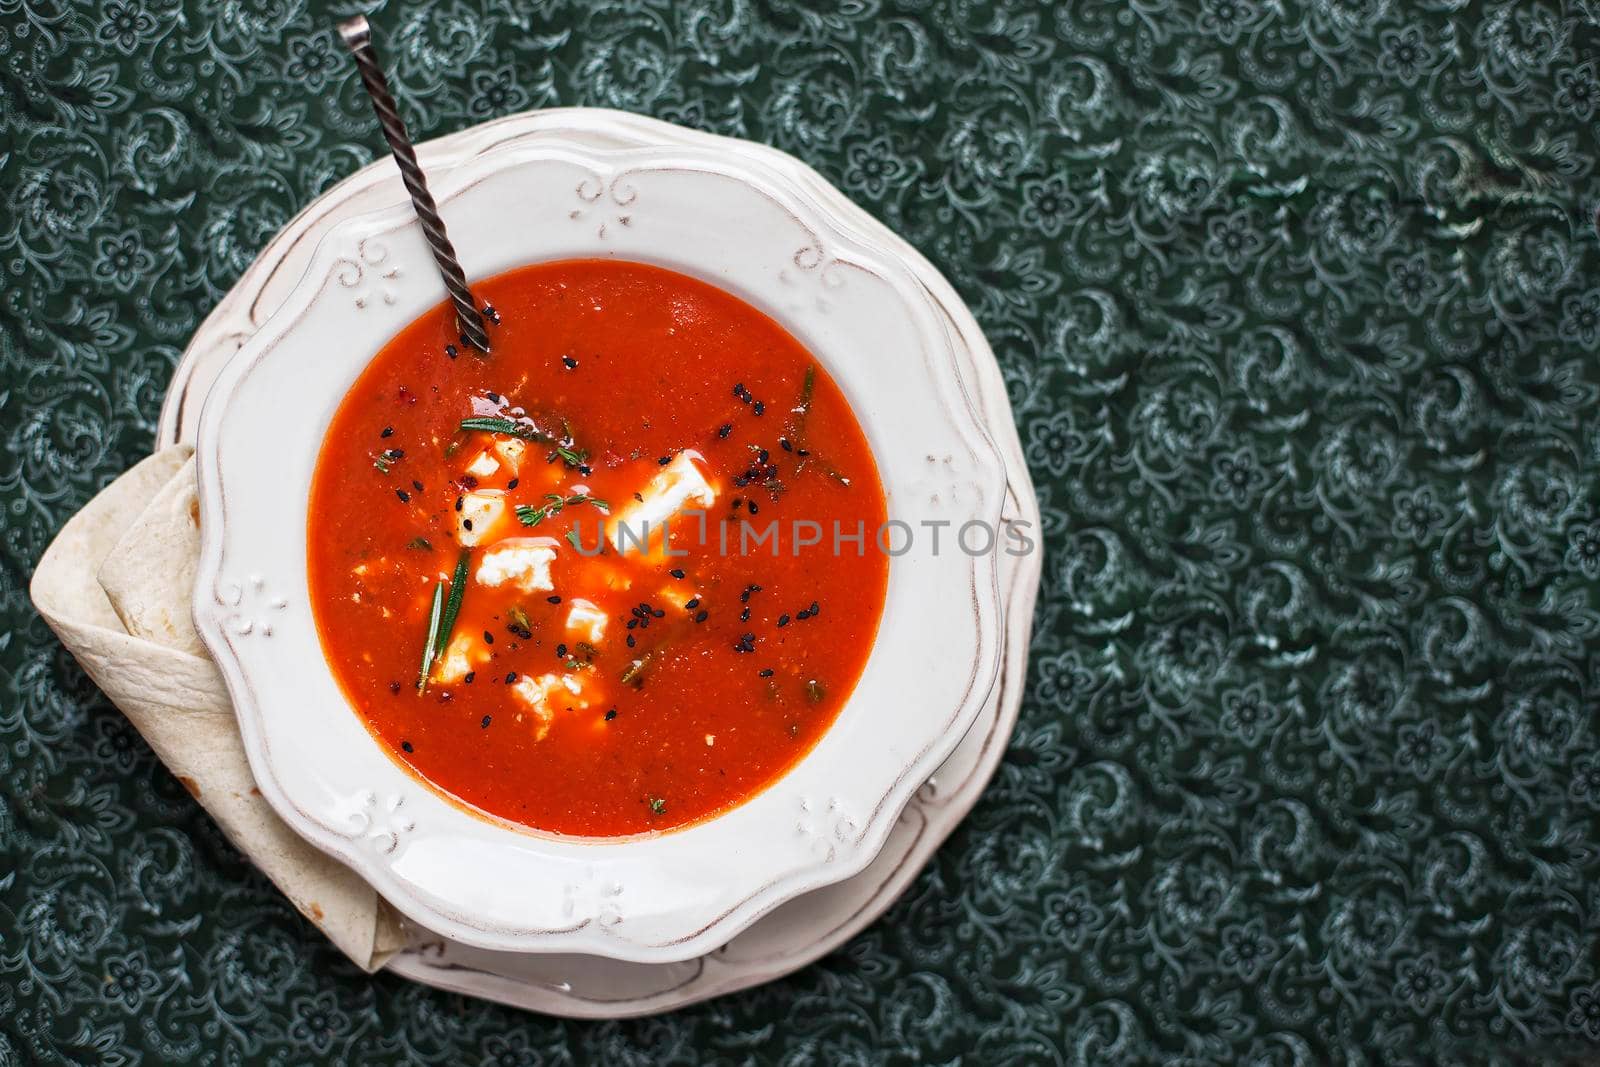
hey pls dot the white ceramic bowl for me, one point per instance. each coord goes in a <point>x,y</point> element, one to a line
<point>671,896</point>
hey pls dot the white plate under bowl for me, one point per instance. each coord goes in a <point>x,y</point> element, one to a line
<point>659,898</point>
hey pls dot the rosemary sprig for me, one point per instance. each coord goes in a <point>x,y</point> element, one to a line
<point>797,431</point>
<point>555,503</point>
<point>430,646</point>
<point>452,607</point>
<point>564,447</point>
<point>384,461</point>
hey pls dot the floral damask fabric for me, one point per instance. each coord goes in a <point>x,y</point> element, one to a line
<point>1299,308</point>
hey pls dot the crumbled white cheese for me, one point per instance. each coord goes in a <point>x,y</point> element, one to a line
<point>586,621</point>
<point>511,450</point>
<point>483,465</point>
<point>523,562</point>
<point>480,511</point>
<point>548,694</point>
<point>677,487</point>
<point>678,595</point>
<point>457,660</point>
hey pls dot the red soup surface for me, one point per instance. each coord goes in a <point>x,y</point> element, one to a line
<point>489,574</point>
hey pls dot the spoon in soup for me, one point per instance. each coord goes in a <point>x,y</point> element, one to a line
<point>357,37</point>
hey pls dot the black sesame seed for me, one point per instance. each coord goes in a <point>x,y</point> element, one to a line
<point>488,638</point>
<point>676,572</point>
<point>659,613</point>
<point>632,623</point>
<point>738,390</point>
<point>783,620</point>
<point>416,485</point>
<point>725,429</point>
<point>458,503</point>
<point>406,745</point>
<point>664,460</point>
<point>485,723</point>
<point>693,603</point>
<point>466,524</point>
<point>783,443</point>
<point>755,509</point>
<point>569,363</point>
<point>816,609</point>
<point>759,409</point>
<point>470,676</point>
<point>767,673</point>
<point>700,616</point>
<point>553,599</point>
<point>744,616</point>
<point>611,714</point>
<point>405,497</point>
<point>512,484</point>
<point>631,641</point>
<point>803,614</point>
<point>452,351</point>
<point>388,431</point>
<point>561,651</point>
<point>511,678</point>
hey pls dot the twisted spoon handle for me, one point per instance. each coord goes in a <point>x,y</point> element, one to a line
<point>358,38</point>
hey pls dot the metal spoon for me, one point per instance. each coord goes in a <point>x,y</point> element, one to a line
<point>358,38</point>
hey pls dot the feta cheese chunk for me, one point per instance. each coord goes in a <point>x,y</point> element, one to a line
<point>481,510</point>
<point>460,657</point>
<point>677,487</point>
<point>586,621</point>
<point>483,465</point>
<point>511,450</point>
<point>522,562</point>
<point>547,694</point>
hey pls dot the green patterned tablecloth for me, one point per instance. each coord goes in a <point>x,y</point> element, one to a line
<point>1299,308</point>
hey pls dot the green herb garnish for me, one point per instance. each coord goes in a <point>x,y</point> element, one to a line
<point>520,624</point>
<point>634,673</point>
<point>555,502</point>
<point>658,805</point>
<point>420,543</point>
<point>384,461</point>
<point>527,431</point>
<point>430,646</point>
<point>572,539</point>
<point>452,608</point>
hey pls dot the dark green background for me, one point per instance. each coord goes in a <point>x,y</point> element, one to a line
<point>1298,306</point>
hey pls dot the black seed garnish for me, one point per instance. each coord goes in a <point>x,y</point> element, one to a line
<point>746,643</point>
<point>783,620</point>
<point>388,431</point>
<point>488,638</point>
<point>700,616</point>
<point>815,609</point>
<point>458,503</point>
<point>406,746</point>
<point>569,363</point>
<point>676,572</point>
<point>416,485</point>
<point>725,429</point>
<point>511,679</point>
<point>405,497</point>
<point>755,509</point>
<point>452,351</point>
<point>485,723</point>
<point>767,673</point>
<point>693,603</point>
<point>631,641</point>
<point>561,651</point>
<point>466,524</point>
<point>394,687</point>
<point>470,676</point>
<point>611,714</point>
<point>759,409</point>
<point>744,616</point>
<point>664,460</point>
<point>783,443</point>
<point>512,484</point>
<point>553,599</point>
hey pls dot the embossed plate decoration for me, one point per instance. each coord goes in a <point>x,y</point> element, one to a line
<point>653,898</point>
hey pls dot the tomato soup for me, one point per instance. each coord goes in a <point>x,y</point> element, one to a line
<point>571,583</point>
